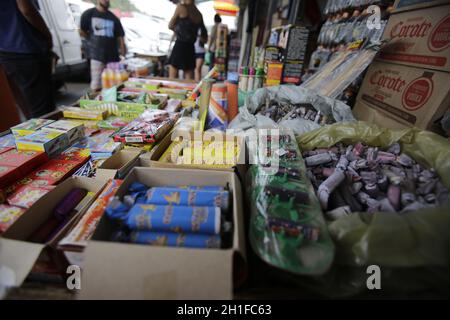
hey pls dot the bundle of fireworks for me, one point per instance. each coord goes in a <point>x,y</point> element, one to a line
<point>188,216</point>
<point>73,129</point>
<point>77,238</point>
<point>51,143</point>
<point>287,229</point>
<point>100,144</point>
<point>150,127</point>
<point>14,164</point>
<point>29,127</point>
<point>353,178</point>
<point>64,211</point>
<point>279,110</point>
<point>78,113</point>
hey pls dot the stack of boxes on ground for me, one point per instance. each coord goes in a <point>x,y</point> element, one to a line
<point>408,83</point>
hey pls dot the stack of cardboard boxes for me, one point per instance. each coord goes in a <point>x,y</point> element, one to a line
<point>409,83</point>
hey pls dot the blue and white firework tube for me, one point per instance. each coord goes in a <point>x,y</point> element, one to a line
<point>178,219</point>
<point>185,197</point>
<point>171,239</point>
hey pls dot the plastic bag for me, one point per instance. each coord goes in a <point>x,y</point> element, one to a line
<point>411,248</point>
<point>287,229</point>
<point>294,95</point>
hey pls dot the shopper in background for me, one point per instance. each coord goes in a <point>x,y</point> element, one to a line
<point>105,39</point>
<point>186,23</point>
<point>213,39</point>
<point>199,57</point>
<point>26,56</point>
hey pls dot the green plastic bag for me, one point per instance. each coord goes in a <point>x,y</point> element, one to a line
<point>413,249</point>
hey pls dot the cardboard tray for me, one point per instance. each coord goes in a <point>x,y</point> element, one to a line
<point>17,255</point>
<point>133,271</point>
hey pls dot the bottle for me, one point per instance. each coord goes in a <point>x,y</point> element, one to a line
<point>259,79</point>
<point>243,79</point>
<point>251,79</point>
<point>107,78</point>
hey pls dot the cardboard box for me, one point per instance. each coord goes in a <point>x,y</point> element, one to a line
<point>51,143</point>
<point>363,112</point>
<point>151,159</point>
<point>29,127</point>
<point>17,255</point>
<point>405,5</point>
<point>118,165</point>
<point>419,38</point>
<point>151,272</point>
<point>411,96</point>
<point>73,129</point>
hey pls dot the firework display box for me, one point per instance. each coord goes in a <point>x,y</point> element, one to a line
<point>17,254</point>
<point>405,5</point>
<point>73,129</point>
<point>51,143</point>
<point>152,272</point>
<point>29,127</point>
<point>119,164</point>
<point>410,96</point>
<point>419,38</point>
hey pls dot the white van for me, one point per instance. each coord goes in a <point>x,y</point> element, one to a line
<point>66,39</point>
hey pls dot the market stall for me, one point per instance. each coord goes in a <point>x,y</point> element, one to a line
<point>324,154</point>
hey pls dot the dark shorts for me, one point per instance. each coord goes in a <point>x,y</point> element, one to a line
<point>183,56</point>
<point>200,56</point>
<point>30,78</point>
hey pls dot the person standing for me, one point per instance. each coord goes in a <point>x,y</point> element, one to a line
<point>213,40</point>
<point>105,39</point>
<point>199,57</point>
<point>186,23</point>
<point>26,56</point>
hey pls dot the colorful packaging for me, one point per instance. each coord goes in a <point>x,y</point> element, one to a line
<point>9,215</point>
<point>8,140</point>
<point>179,219</point>
<point>27,196</point>
<point>51,143</point>
<point>55,171</point>
<point>29,127</point>
<point>5,149</point>
<point>170,239</point>
<point>73,129</point>
<point>8,175</point>
<point>79,113</point>
<point>218,106</point>
<point>188,197</point>
<point>419,38</point>
<point>26,160</point>
<point>80,155</point>
<point>410,96</point>
<point>124,110</point>
<point>274,73</point>
<point>77,238</point>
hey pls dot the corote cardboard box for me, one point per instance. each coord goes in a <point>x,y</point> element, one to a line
<point>419,38</point>
<point>404,5</point>
<point>131,271</point>
<point>17,254</point>
<point>411,96</point>
<point>118,165</point>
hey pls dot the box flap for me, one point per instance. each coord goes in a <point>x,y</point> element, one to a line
<point>14,267</point>
<point>155,272</point>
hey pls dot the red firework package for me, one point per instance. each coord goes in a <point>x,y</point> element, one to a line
<point>150,127</point>
<point>55,170</point>
<point>5,149</point>
<point>26,160</point>
<point>25,197</point>
<point>8,175</point>
<point>75,154</point>
<point>8,215</point>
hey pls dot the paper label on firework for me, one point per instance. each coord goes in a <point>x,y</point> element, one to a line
<point>170,218</point>
<point>78,237</point>
<point>412,96</point>
<point>134,140</point>
<point>419,38</point>
<point>170,239</point>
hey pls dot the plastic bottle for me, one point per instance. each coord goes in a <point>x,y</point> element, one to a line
<point>107,78</point>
